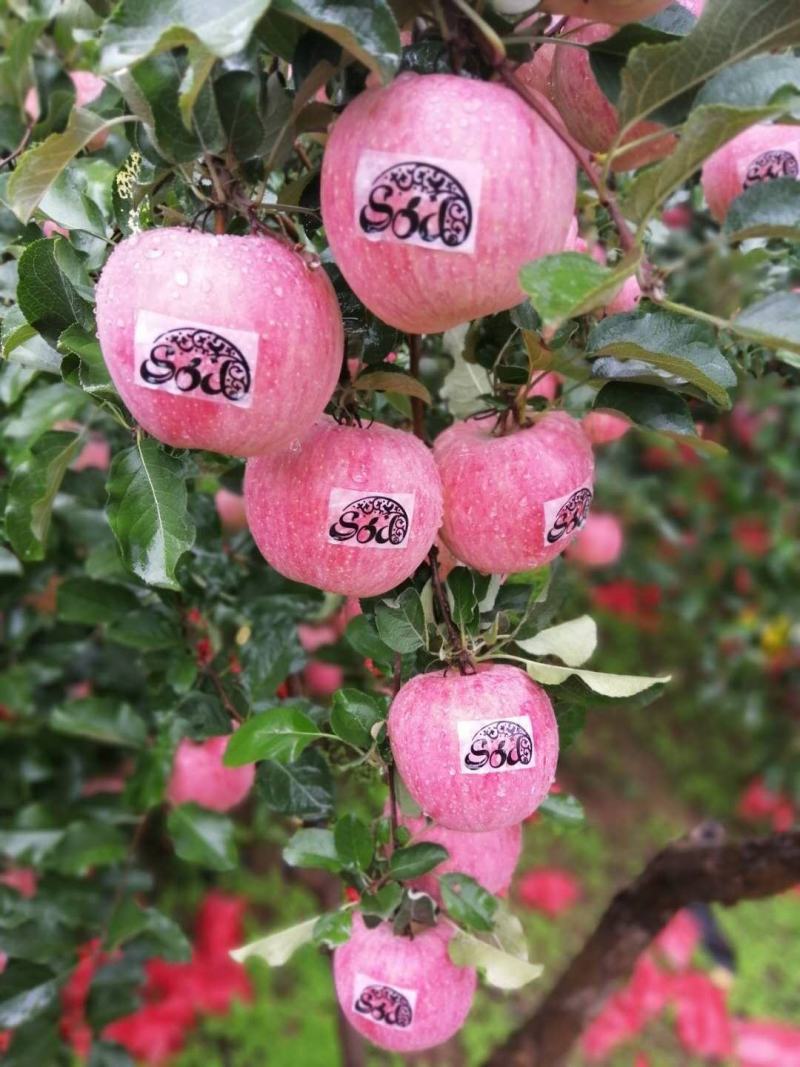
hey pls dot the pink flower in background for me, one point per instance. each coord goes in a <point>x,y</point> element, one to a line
<point>679,939</point>
<point>760,803</point>
<point>548,890</point>
<point>629,1010</point>
<point>761,1043</point>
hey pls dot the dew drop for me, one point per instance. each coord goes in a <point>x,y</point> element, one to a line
<point>154,253</point>
<point>295,446</point>
<point>181,277</point>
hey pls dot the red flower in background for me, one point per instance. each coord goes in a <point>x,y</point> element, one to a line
<point>703,1024</point>
<point>679,939</point>
<point>760,803</point>
<point>548,890</point>
<point>766,1044</point>
<point>628,1011</point>
<point>74,1026</point>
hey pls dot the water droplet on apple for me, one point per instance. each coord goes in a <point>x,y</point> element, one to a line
<point>181,277</point>
<point>154,253</point>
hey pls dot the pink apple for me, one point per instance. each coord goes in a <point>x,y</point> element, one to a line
<point>601,427</point>
<point>490,858</point>
<point>322,679</point>
<point>428,214</point>
<point>760,154</point>
<point>23,879</point>
<point>230,509</point>
<point>587,112</point>
<point>599,544</point>
<point>88,87</point>
<point>231,344</point>
<point>537,73</point>
<point>477,752</point>
<point>616,11</point>
<point>199,776</point>
<point>95,453</point>
<point>546,385</point>
<point>350,510</point>
<point>316,635</point>
<point>627,299</point>
<point>402,994</point>
<point>52,229</point>
<point>514,502</point>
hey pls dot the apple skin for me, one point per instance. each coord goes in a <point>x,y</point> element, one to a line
<point>489,859</point>
<point>444,992</point>
<point>496,490</point>
<point>725,174</point>
<point>600,542</point>
<point>458,121</point>
<point>601,427</point>
<point>287,496</point>
<point>424,735</point>
<point>199,776</point>
<point>616,11</point>
<point>627,299</point>
<point>587,112</point>
<point>226,283</point>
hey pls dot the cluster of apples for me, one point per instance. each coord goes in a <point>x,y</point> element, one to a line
<point>435,191</point>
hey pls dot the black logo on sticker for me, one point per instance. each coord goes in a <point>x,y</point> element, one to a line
<point>777,163</point>
<point>571,516</point>
<point>499,744</point>
<point>418,200</point>
<point>197,359</point>
<point>384,1005</point>
<point>372,520</point>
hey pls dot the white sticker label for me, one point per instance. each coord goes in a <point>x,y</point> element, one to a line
<point>369,518</point>
<point>566,514</point>
<point>389,1005</point>
<point>772,164</point>
<point>418,200</point>
<point>491,746</point>
<point>194,359</point>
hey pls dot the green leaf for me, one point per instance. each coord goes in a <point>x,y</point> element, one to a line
<point>87,845</point>
<point>363,637</point>
<point>618,686</point>
<point>757,80</point>
<point>401,622</point>
<point>651,408</point>
<point>203,837</point>
<point>146,629</point>
<point>152,930</point>
<point>93,603</point>
<point>570,284</point>
<point>500,969</point>
<point>102,719</point>
<point>333,928</point>
<point>467,383</point>
<point>388,379</point>
<point>773,322</point>
<point>384,903</point>
<point>572,642</point>
<point>766,209</point>
<point>139,27</point>
<point>148,513</point>
<point>354,714</point>
<point>26,990</point>
<point>353,842</point>
<point>47,297</point>
<point>38,168</point>
<point>467,902</point>
<point>277,949</point>
<point>33,489</point>
<point>682,348</point>
<point>563,808</point>
<point>366,28</point>
<point>312,848</point>
<point>83,364</point>
<point>303,788</point>
<point>416,860</point>
<point>278,734</point>
<point>29,846</point>
<point>728,31</point>
<point>463,596</point>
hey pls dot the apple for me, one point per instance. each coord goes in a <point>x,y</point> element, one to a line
<point>516,501</point>
<point>599,544</point>
<point>200,777</point>
<point>88,87</point>
<point>349,510</point>
<point>428,213</point>
<point>490,859</point>
<point>587,112</point>
<point>601,427</point>
<point>231,344</point>
<point>402,994</point>
<point>616,11</point>
<point>230,509</point>
<point>546,385</point>
<point>627,299</point>
<point>322,679</point>
<point>477,752</point>
<point>760,154</point>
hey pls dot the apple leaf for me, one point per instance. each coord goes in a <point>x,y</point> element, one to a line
<point>570,284</point>
<point>277,949</point>
<point>202,837</point>
<point>278,734</point>
<point>416,860</point>
<point>767,209</point>
<point>33,489</point>
<point>499,968</point>
<point>572,642</point>
<point>617,686</point>
<point>467,902</point>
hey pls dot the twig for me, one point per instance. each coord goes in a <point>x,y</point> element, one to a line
<point>20,147</point>
<point>417,405</point>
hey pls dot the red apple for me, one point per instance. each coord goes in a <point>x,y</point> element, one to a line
<point>428,214</point>
<point>600,542</point>
<point>516,501</point>
<point>627,298</point>
<point>402,994</point>
<point>477,752</point>
<point>231,344</point>
<point>760,154</point>
<point>601,427</point>
<point>230,509</point>
<point>348,510</point>
<point>322,679</point>
<point>200,777</point>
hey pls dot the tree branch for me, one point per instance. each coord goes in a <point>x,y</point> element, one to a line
<point>702,867</point>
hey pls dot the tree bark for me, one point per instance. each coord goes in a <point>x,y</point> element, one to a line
<point>702,867</point>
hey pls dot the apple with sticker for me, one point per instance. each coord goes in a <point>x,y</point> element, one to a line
<point>477,751</point>
<point>230,344</point>
<point>349,509</point>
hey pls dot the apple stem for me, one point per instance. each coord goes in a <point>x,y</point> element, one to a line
<point>463,658</point>
<point>417,406</point>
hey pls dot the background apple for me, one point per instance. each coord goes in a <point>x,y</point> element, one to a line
<point>199,776</point>
<point>600,542</point>
<point>761,153</point>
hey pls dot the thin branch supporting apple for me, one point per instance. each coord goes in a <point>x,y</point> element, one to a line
<point>701,868</point>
